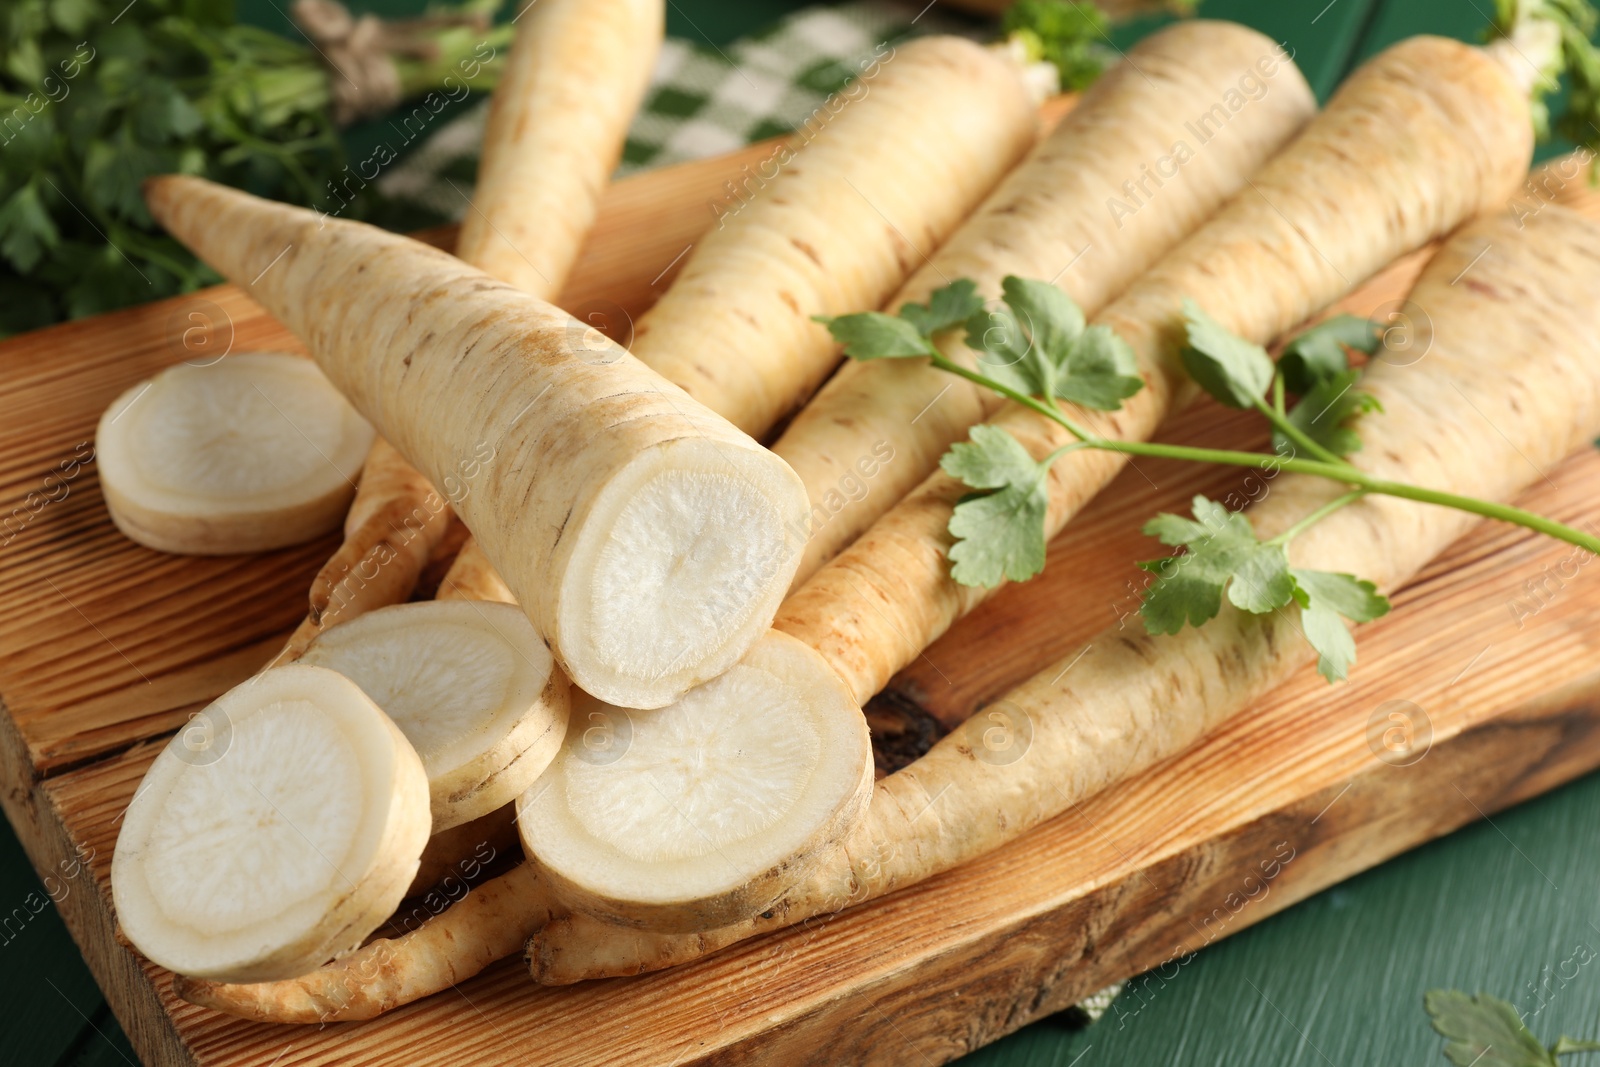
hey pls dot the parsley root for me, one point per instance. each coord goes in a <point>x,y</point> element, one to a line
<point>1134,167</point>
<point>905,152</point>
<point>560,112</point>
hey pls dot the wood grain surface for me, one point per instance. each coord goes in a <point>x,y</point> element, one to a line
<point>106,647</point>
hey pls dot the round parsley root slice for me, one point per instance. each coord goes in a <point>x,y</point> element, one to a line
<point>703,812</point>
<point>471,686</point>
<point>277,831</point>
<point>251,453</point>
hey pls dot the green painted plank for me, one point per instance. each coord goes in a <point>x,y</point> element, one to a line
<point>1507,907</point>
<point>1322,35</point>
<point>44,985</point>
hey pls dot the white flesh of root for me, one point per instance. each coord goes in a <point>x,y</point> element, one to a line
<point>277,830</point>
<point>681,563</point>
<point>251,453</point>
<point>703,812</point>
<point>471,686</point>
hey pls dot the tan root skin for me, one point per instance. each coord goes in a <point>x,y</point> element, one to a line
<point>473,577</point>
<point>171,450</point>
<point>461,852</point>
<point>576,74</point>
<point>393,525</point>
<point>882,175</point>
<point>569,448</point>
<point>691,816</point>
<point>243,778</point>
<point>470,684</point>
<point>1429,123</point>
<point>877,429</point>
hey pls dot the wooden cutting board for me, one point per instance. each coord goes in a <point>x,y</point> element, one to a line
<point>1481,689</point>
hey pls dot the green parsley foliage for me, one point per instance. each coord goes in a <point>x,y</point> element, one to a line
<point>946,307</point>
<point>1223,557</point>
<point>98,95</point>
<point>1323,413</point>
<point>1485,1031</point>
<point>1233,370</point>
<point>1037,344</point>
<point>1071,35</point>
<point>874,335</point>
<point>999,534</point>
<point>1323,351</point>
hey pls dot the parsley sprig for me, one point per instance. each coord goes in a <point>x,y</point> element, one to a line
<point>1035,348</point>
<point>1485,1031</point>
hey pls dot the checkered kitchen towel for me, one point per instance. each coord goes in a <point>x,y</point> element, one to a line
<point>705,100</point>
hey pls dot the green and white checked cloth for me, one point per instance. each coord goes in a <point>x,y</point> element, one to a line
<point>704,100</point>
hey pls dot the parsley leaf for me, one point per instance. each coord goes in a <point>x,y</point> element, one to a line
<point>946,307</point>
<point>1101,371</point>
<point>1322,413</point>
<point>874,335</point>
<point>1000,534</point>
<point>1222,556</point>
<point>1221,552</point>
<point>1324,597</point>
<point>1485,1031</point>
<point>1038,344</point>
<point>1319,353</point>
<point>1233,370</point>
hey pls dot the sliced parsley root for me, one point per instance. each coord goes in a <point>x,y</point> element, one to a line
<point>1280,251</point>
<point>647,539</point>
<point>1519,350</point>
<point>282,847</point>
<point>1072,212</point>
<point>709,809</point>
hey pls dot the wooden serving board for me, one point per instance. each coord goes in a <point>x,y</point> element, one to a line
<point>1491,662</point>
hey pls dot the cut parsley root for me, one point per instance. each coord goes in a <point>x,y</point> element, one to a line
<point>701,813</point>
<point>250,453</point>
<point>647,539</point>
<point>275,832</point>
<point>557,122</point>
<point>1092,208</point>
<point>470,685</point>
<point>901,156</point>
<point>1518,350</point>
<point>1278,252</point>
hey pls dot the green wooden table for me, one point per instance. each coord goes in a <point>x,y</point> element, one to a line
<point>1508,906</point>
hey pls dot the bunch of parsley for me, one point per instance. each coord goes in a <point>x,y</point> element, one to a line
<point>96,96</point>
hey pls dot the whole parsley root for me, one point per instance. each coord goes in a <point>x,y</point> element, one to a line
<point>1519,349</point>
<point>1421,138</point>
<point>1120,181</point>
<point>570,456</point>
<point>881,175</point>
